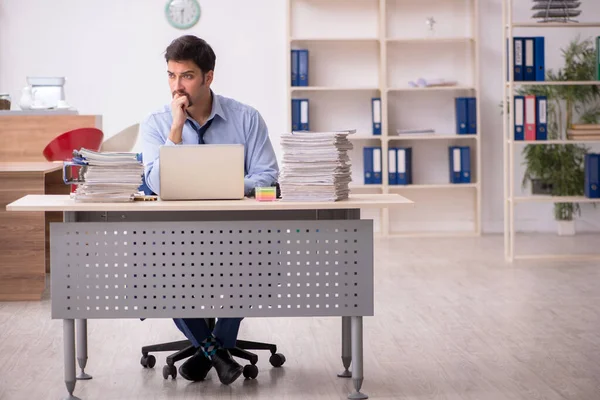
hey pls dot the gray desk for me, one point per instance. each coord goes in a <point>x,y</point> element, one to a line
<point>206,259</point>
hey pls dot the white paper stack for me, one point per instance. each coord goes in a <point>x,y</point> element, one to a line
<point>315,166</point>
<point>108,177</point>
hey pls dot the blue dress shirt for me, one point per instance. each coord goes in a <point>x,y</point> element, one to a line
<point>230,122</point>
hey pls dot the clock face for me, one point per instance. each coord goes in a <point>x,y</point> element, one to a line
<point>182,14</point>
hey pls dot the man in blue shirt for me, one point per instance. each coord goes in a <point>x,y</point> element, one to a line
<point>197,115</point>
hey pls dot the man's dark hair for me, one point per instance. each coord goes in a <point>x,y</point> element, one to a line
<point>190,47</point>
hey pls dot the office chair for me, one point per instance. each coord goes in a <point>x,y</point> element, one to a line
<point>185,349</point>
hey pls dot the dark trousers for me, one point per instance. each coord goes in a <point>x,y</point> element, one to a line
<point>196,330</point>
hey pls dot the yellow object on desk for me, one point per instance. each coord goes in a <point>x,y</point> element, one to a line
<point>265,193</point>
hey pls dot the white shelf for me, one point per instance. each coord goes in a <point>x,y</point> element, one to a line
<point>554,83</point>
<point>543,142</point>
<point>510,153</point>
<point>331,39</point>
<point>430,88</point>
<point>433,186</point>
<point>388,48</point>
<point>328,88</point>
<point>430,40</point>
<point>426,136</point>
<point>364,137</point>
<point>554,25</point>
<point>554,199</point>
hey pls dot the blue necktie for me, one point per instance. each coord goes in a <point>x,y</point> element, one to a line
<point>203,130</point>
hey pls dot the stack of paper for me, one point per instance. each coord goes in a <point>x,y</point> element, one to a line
<point>315,166</point>
<point>107,177</point>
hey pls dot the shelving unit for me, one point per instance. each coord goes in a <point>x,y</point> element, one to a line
<point>372,48</point>
<point>510,200</point>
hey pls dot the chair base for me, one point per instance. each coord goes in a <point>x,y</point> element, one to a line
<point>184,349</point>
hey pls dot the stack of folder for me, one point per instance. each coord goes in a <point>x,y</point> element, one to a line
<point>529,59</point>
<point>105,177</point>
<point>584,132</point>
<point>531,117</point>
<point>316,166</point>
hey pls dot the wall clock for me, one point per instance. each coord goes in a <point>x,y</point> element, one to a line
<point>182,14</point>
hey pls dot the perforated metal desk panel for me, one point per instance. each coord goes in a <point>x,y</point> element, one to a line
<point>188,269</point>
<point>239,258</point>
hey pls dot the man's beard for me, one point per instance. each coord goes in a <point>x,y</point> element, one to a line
<point>186,95</point>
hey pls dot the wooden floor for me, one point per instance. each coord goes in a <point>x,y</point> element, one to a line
<point>453,321</point>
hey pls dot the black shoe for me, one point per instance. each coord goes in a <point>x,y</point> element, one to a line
<point>196,367</point>
<point>227,368</point>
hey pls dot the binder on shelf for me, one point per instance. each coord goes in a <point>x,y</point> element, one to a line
<point>404,157</point>
<point>460,164</point>
<point>377,165</point>
<point>519,118</point>
<point>598,58</point>
<point>518,46</point>
<point>304,125</point>
<point>592,175</point>
<point>529,58</point>
<point>368,165</point>
<point>376,115</point>
<point>392,166</point>
<point>294,67</point>
<point>303,67</point>
<point>296,115</point>
<point>542,118</point>
<point>530,117</point>
<point>539,58</point>
<point>460,105</point>
<point>471,115</point>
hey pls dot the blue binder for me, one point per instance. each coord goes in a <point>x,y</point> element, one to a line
<point>303,67</point>
<point>460,164</point>
<point>529,59</point>
<point>541,122</point>
<point>296,114</point>
<point>294,67</point>
<point>539,58</point>
<point>465,168</point>
<point>461,115</point>
<point>368,164</point>
<point>592,175</point>
<point>519,108</point>
<point>404,158</point>
<point>392,166</point>
<point>304,115</point>
<point>471,115</point>
<point>518,58</point>
<point>377,164</point>
<point>376,115</point>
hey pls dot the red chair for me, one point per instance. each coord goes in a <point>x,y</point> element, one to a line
<point>61,147</point>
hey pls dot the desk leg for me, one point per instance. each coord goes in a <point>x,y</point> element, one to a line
<point>357,358</point>
<point>69,349</point>
<point>82,355</point>
<point>346,347</point>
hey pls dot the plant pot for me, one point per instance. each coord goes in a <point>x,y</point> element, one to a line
<point>541,187</point>
<point>566,228</point>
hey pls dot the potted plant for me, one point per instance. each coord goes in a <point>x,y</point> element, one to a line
<point>560,168</point>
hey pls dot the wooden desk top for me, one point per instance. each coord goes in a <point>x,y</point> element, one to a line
<point>30,166</point>
<point>65,203</point>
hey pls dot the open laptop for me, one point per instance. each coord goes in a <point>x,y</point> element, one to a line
<point>202,172</point>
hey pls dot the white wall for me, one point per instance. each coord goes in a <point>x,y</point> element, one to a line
<point>112,53</point>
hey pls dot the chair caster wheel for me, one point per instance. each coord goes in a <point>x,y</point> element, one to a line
<point>169,370</point>
<point>277,359</point>
<point>250,371</point>
<point>148,361</point>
